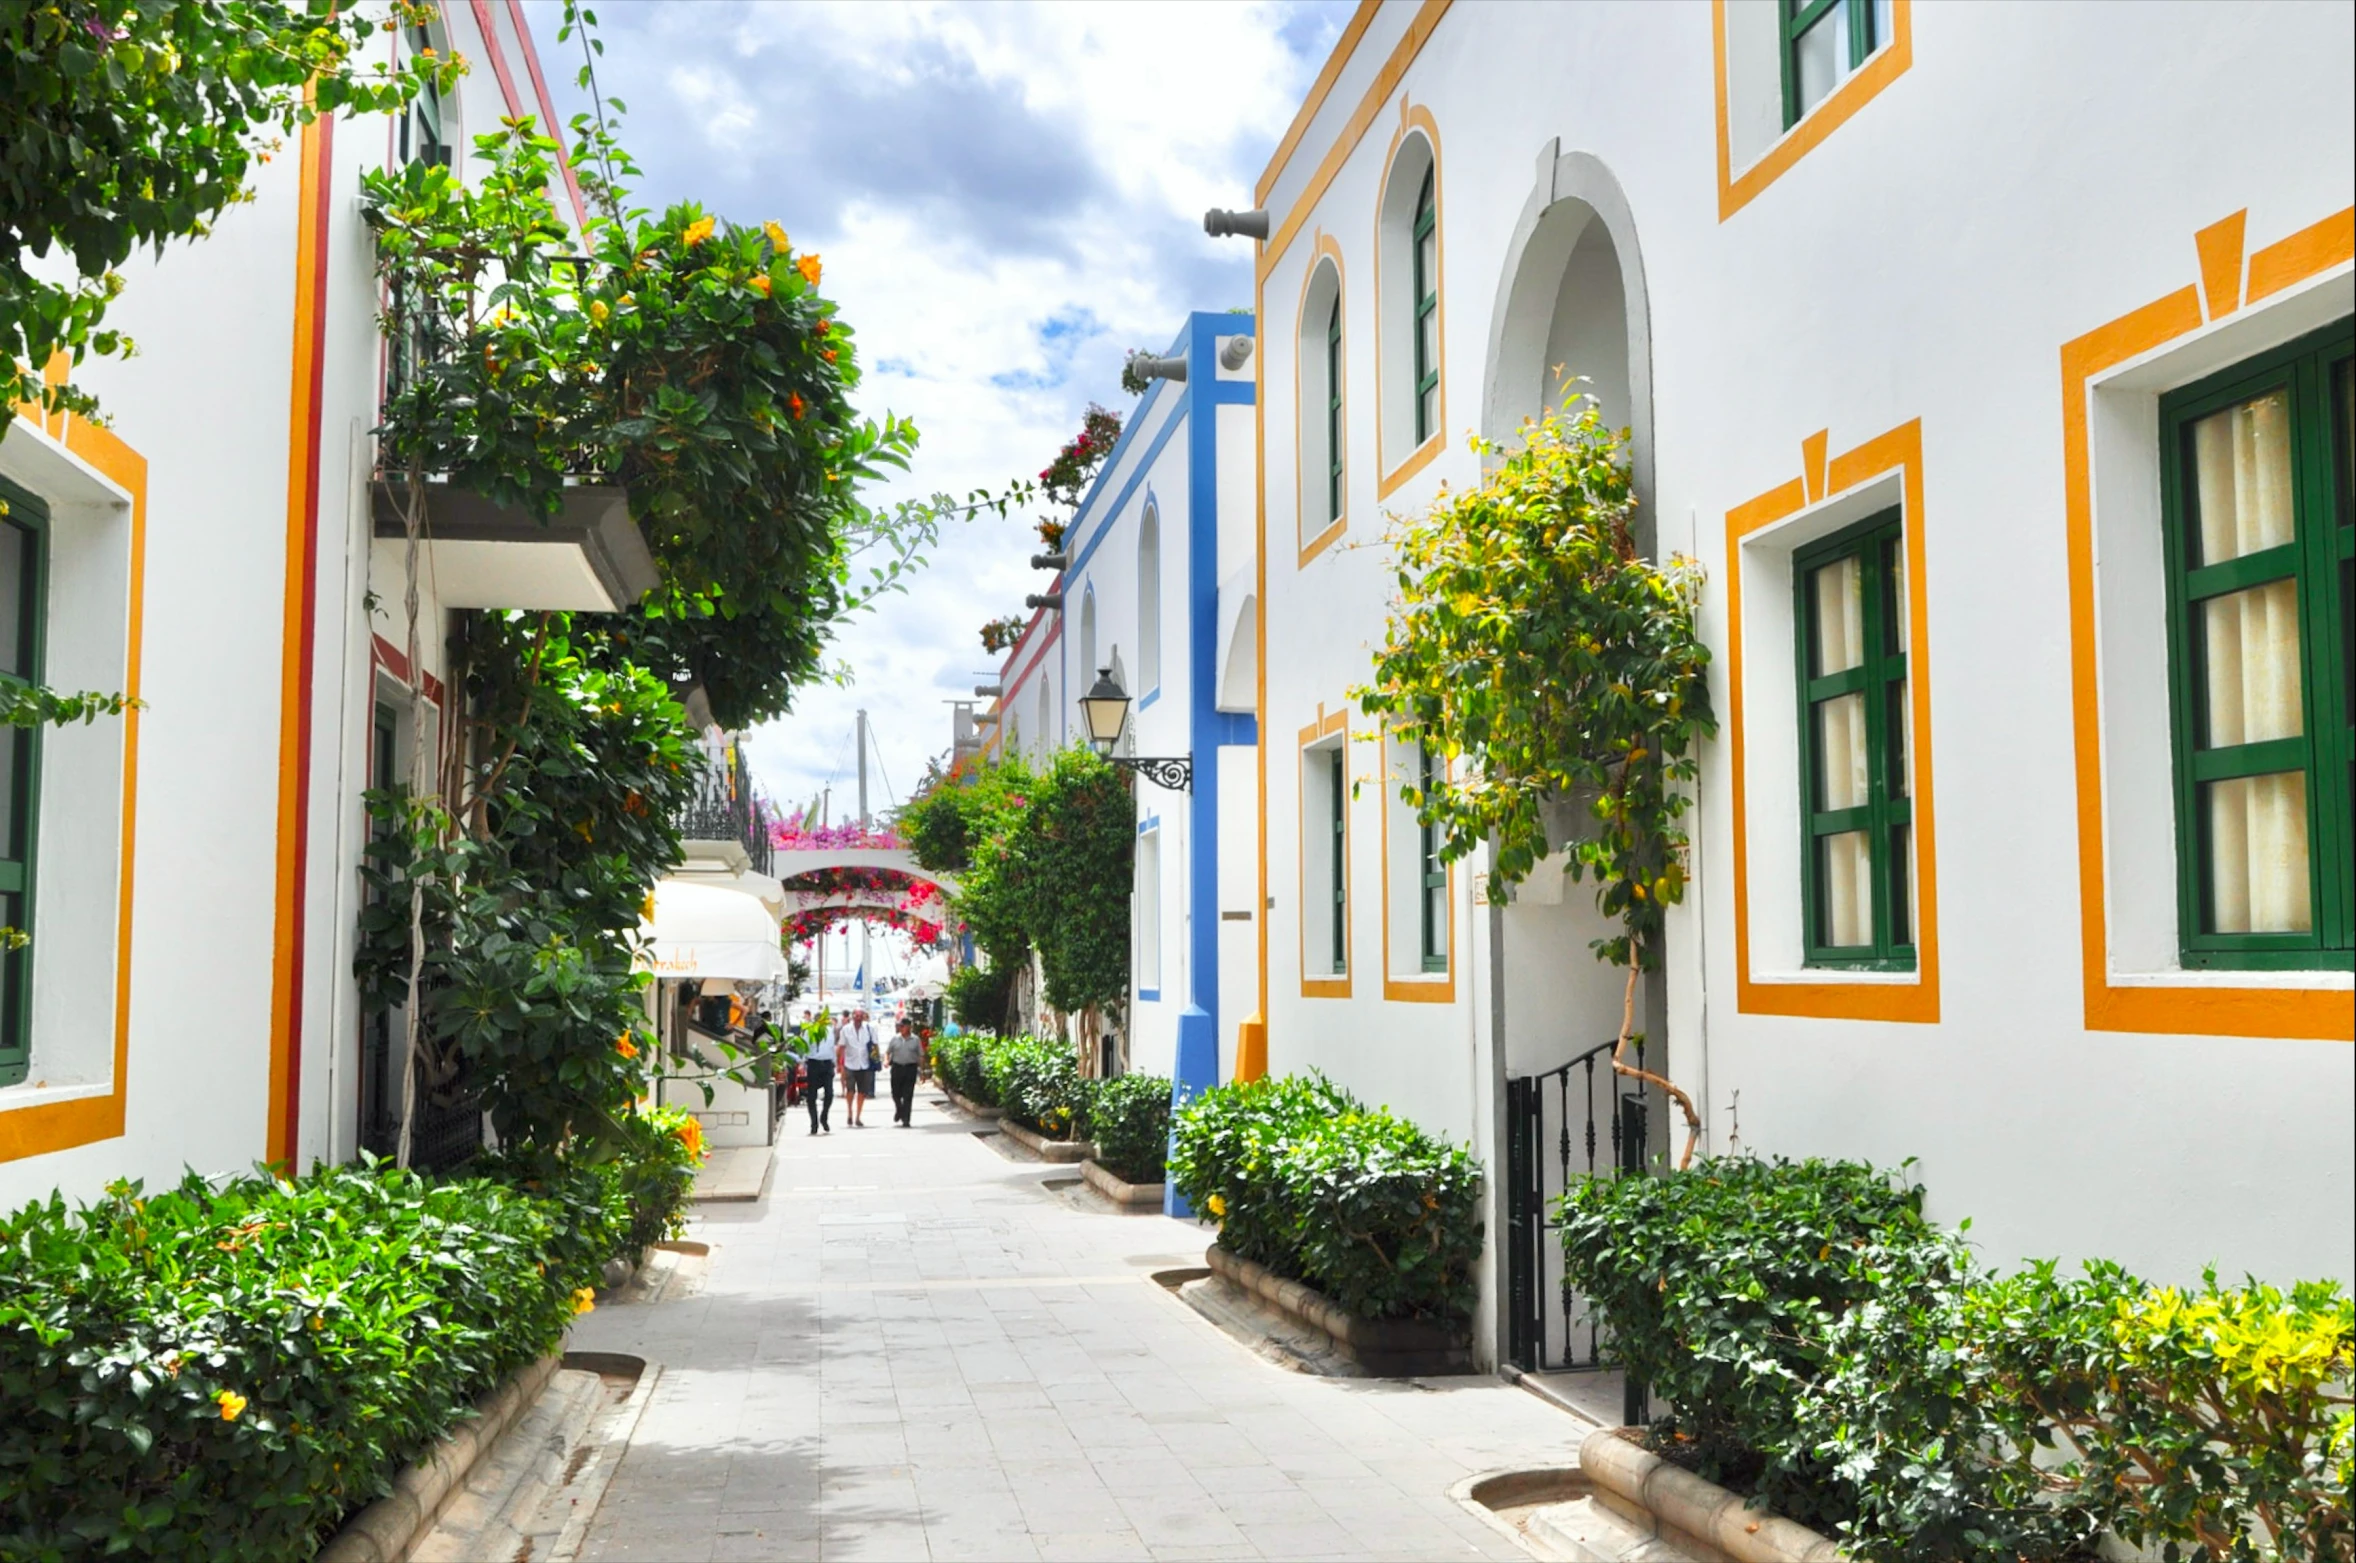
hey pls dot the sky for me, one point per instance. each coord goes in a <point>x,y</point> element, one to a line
<point>1007,199</point>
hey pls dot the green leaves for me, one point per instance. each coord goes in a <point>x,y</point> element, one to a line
<point>1307,1180</point>
<point>225,1372</point>
<point>1533,649</point>
<point>30,705</point>
<point>1129,1119</point>
<point>1823,1344</point>
<point>137,125</point>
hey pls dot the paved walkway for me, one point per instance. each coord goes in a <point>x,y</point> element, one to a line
<point>914,1348</point>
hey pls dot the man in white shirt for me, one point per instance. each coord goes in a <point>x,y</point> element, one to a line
<point>860,1048</point>
<point>905,1053</point>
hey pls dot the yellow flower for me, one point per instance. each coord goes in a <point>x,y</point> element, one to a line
<point>759,284</point>
<point>232,1404</point>
<point>598,311</point>
<point>808,267</point>
<point>698,231</point>
<point>624,1046</point>
<point>584,1299</point>
<point>1218,1205</point>
<point>777,237</point>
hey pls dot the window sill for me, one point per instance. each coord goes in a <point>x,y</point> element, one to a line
<point>1813,975</point>
<point>41,1093</point>
<point>1414,462</point>
<point>2309,981</point>
<point>1422,987</point>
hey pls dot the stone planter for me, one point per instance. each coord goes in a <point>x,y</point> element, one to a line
<point>1109,1184</point>
<point>971,1109</point>
<point>1688,1511</point>
<point>1043,1147</point>
<point>385,1530</point>
<point>1395,1348</point>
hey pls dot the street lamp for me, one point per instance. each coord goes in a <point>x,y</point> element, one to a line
<point>1105,711</point>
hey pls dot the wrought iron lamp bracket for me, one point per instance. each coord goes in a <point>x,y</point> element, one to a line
<point>1173,772</point>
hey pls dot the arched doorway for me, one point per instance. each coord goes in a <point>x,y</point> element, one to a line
<point>1572,294</point>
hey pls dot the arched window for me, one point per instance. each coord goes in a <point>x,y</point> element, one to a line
<point>1407,305</point>
<point>1149,601</point>
<point>1323,434</point>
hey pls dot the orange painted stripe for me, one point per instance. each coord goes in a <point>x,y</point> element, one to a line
<point>301,613</point>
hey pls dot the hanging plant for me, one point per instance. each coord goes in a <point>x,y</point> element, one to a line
<point>1543,658</point>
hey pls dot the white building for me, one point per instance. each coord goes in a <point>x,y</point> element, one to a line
<point>1959,332</point>
<point>1155,590</point>
<point>189,874</point>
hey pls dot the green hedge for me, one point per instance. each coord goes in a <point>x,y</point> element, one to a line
<point>213,1373</point>
<point>1037,1081</point>
<point>1129,1119</point>
<point>957,1064</point>
<point>1843,1360</point>
<point>1305,1179</point>
<point>977,995</point>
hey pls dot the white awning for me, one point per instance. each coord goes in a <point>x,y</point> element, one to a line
<point>710,931</point>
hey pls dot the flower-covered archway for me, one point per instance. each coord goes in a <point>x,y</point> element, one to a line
<point>818,898</point>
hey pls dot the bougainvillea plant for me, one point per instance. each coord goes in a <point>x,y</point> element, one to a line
<point>1539,656</point>
<point>798,832</point>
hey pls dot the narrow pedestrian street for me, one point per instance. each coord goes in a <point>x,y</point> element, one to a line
<point>916,1346</point>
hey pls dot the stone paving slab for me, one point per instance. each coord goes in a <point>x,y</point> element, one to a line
<point>912,1348</point>
<point>734,1174</point>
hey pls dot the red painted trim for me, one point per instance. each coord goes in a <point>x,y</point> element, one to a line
<point>396,662</point>
<point>490,31</point>
<point>315,383</point>
<point>1010,679</point>
<point>548,119</point>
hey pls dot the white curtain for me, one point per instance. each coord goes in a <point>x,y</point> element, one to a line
<point>2250,644</point>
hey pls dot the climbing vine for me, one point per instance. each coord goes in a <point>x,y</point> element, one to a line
<point>1537,653</point>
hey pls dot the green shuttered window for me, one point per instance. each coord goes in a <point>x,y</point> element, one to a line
<point>2256,503</point>
<point>1427,310</point>
<point>24,538</point>
<point>1856,769</point>
<point>1822,42</point>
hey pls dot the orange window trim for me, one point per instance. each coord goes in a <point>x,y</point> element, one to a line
<point>56,1126</point>
<point>1325,250</point>
<point>1316,732</point>
<point>1915,1002</point>
<point>1428,987</point>
<point>2320,1014</point>
<point>1413,117</point>
<point>1378,92</point>
<point>1885,65</point>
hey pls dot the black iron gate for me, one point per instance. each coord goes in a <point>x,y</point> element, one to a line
<point>1577,1121</point>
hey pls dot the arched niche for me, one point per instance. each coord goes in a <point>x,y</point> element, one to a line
<point>1572,294</point>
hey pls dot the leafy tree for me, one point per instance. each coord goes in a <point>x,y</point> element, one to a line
<point>1074,846</point>
<point>1532,643</point>
<point>137,124</point>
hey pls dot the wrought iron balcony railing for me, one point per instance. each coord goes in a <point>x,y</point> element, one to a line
<point>724,807</point>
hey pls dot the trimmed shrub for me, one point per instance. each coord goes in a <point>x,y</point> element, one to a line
<point>977,995</point>
<point>1129,1119</point>
<point>1830,1351</point>
<point>1381,1217</point>
<point>957,1064</point>
<point>212,1373</point>
<point>1037,1081</point>
<point>1782,1243</point>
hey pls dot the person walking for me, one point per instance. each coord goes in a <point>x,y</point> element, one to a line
<point>906,1056</point>
<point>862,1052</point>
<point>818,1073</point>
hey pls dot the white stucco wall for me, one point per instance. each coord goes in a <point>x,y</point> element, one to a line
<point>1926,260</point>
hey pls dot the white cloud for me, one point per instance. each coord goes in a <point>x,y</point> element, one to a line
<point>1007,198</point>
